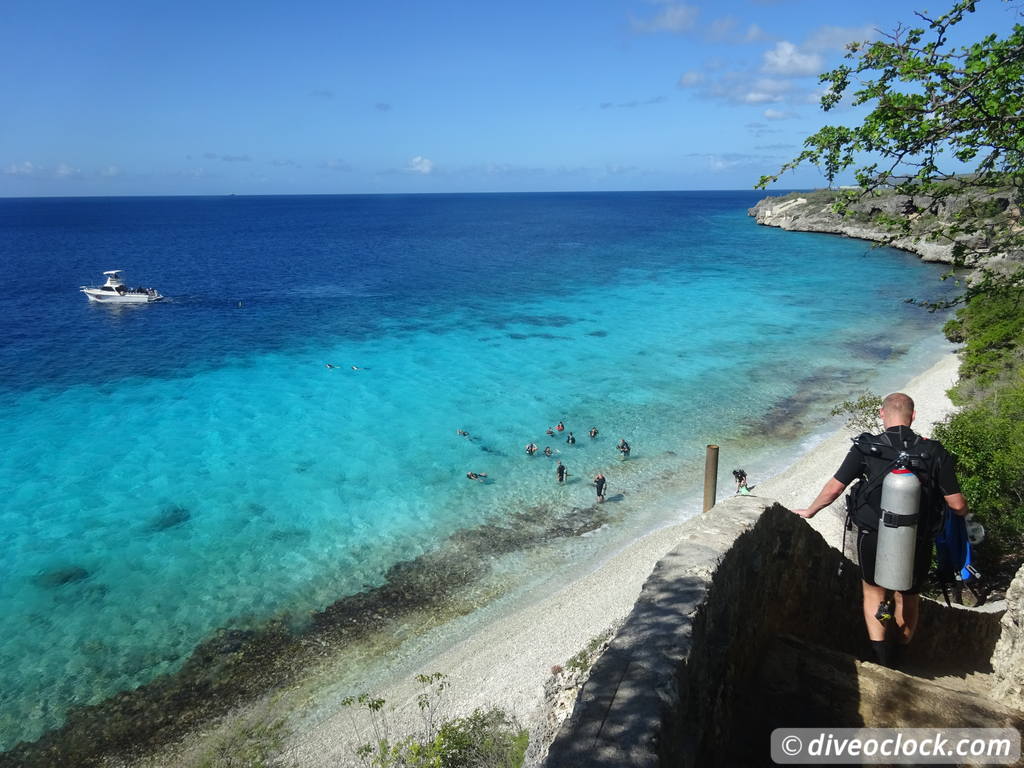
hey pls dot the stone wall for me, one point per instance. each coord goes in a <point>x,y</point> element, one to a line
<point>1008,658</point>
<point>677,685</point>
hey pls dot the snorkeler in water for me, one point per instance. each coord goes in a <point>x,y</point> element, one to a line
<point>593,432</point>
<point>624,448</point>
<point>476,476</point>
<point>571,439</point>
<point>531,449</point>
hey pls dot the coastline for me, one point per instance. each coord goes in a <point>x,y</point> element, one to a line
<point>507,661</point>
<point>601,590</point>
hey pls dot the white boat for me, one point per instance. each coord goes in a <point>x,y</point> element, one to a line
<point>114,291</point>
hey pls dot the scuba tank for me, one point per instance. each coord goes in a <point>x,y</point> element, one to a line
<point>897,529</point>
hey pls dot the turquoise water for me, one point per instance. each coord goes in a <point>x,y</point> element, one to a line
<point>177,468</point>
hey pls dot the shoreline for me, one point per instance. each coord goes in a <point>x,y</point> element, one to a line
<point>498,654</point>
<point>507,661</point>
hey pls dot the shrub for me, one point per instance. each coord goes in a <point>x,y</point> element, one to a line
<point>861,414</point>
<point>487,738</point>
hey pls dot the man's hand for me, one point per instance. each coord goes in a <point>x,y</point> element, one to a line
<point>832,490</point>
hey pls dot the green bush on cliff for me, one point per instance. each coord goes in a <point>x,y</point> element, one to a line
<point>861,414</point>
<point>487,738</point>
<point>987,439</point>
<point>993,329</point>
<point>986,434</point>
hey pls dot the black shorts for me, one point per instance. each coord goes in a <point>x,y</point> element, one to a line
<point>867,544</point>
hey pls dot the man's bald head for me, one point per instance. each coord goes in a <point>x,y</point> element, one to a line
<point>897,410</point>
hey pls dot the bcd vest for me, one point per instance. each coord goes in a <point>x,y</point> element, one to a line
<point>881,454</point>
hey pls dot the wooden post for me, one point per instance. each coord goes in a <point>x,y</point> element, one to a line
<point>710,477</point>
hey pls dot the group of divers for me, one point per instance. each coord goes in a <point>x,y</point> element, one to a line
<point>599,482</point>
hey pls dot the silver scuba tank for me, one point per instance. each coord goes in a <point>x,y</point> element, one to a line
<point>897,528</point>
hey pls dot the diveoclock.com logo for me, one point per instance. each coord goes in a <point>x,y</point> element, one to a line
<point>866,746</point>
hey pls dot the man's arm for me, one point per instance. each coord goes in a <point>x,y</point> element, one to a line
<point>829,493</point>
<point>957,503</point>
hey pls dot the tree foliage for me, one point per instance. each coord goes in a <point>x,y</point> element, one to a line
<point>933,103</point>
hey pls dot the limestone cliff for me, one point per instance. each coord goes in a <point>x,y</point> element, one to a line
<point>812,212</point>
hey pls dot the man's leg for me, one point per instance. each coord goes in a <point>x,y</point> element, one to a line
<point>872,597</point>
<point>908,608</point>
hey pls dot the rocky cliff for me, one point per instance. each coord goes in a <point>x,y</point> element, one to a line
<point>865,219</point>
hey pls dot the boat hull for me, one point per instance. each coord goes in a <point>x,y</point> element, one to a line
<point>108,297</point>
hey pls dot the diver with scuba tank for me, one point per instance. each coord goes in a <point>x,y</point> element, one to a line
<point>904,482</point>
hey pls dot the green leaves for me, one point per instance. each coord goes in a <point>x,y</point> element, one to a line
<point>932,107</point>
<point>487,738</point>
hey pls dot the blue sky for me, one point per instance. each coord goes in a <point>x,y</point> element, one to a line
<point>185,97</point>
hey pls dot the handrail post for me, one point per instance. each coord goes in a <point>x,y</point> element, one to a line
<point>710,477</point>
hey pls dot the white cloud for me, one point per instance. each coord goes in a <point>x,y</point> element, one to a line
<point>620,170</point>
<point>739,87</point>
<point>722,28</point>
<point>760,130</point>
<point>420,164</point>
<point>726,161</point>
<point>786,59</point>
<point>763,90</point>
<point>21,169</point>
<point>65,171</point>
<point>336,164</point>
<point>110,171</point>
<point>675,18</point>
<point>760,97</point>
<point>775,114</point>
<point>754,34</point>
<point>830,38</point>
<point>690,79</point>
<point>726,30</point>
<point>633,104</point>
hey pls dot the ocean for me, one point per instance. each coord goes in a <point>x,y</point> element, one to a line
<point>194,465</point>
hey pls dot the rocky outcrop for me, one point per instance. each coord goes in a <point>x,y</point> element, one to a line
<point>813,213</point>
<point>865,219</point>
<point>738,630</point>
<point>1008,657</point>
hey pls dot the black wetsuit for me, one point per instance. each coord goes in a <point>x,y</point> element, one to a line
<point>561,473</point>
<point>599,484</point>
<point>856,465</point>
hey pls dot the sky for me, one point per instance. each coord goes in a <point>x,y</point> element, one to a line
<point>138,97</point>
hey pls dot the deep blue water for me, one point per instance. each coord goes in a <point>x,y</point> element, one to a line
<point>174,468</point>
